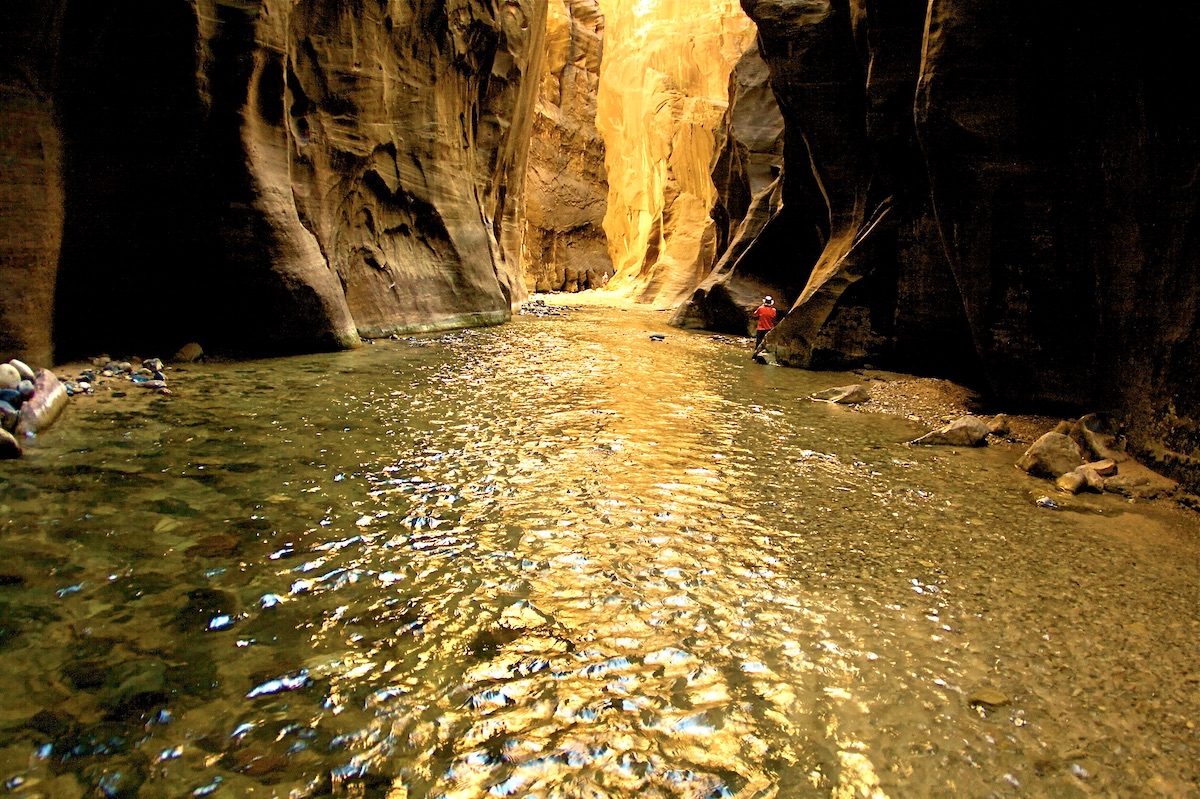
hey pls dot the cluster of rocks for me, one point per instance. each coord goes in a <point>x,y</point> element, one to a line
<point>30,401</point>
<point>148,374</point>
<point>966,431</point>
<point>538,307</point>
<point>1079,455</point>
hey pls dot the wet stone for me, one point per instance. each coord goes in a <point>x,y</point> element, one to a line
<point>139,584</point>
<point>843,395</point>
<point>256,763</point>
<point>120,778</point>
<point>174,507</point>
<point>134,688</point>
<point>988,698</point>
<point>1052,456</point>
<point>197,676</point>
<point>218,545</point>
<point>51,723</point>
<point>203,606</point>
<point>85,675</point>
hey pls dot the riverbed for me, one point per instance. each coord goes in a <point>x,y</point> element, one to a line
<point>576,555</point>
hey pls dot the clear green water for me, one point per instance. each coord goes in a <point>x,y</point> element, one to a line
<point>560,559</point>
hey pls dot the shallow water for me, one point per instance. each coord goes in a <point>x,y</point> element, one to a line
<point>559,558</point>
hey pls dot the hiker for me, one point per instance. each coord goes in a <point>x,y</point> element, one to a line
<point>766,314</point>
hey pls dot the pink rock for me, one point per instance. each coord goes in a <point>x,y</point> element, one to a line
<point>48,400</point>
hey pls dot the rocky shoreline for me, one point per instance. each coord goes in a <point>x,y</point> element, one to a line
<point>1073,456</point>
<point>32,400</point>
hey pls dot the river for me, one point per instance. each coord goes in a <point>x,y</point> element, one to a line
<point>584,555</point>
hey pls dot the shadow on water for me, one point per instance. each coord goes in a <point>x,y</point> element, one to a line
<point>564,558</point>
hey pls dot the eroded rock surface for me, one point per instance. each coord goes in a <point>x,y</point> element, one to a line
<point>264,176</point>
<point>1030,225</point>
<point>567,187</point>
<point>749,213</point>
<point>663,93</point>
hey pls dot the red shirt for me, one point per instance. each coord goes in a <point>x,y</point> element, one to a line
<point>766,317</point>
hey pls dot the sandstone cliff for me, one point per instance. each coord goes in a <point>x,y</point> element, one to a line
<point>663,92</point>
<point>262,175</point>
<point>984,190</point>
<point>748,212</point>
<point>567,187</point>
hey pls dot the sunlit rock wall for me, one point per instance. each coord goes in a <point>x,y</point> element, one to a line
<point>663,92</point>
<point>1016,179</point>
<point>267,175</point>
<point>566,188</point>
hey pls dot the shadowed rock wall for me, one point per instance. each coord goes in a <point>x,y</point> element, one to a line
<point>997,190</point>
<point>749,206</point>
<point>265,176</point>
<point>31,203</point>
<point>567,187</point>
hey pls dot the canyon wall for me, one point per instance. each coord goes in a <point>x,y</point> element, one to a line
<point>567,187</point>
<point>748,212</point>
<point>663,92</point>
<point>989,192</point>
<point>261,175</point>
<point>31,201</point>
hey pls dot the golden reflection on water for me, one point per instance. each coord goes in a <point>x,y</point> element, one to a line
<point>562,558</point>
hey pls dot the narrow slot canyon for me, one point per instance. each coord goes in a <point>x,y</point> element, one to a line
<point>682,399</point>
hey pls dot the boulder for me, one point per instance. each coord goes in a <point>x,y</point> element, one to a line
<point>843,395</point>
<point>1052,455</point>
<point>188,353</point>
<point>1088,434</point>
<point>999,426</point>
<point>968,431</point>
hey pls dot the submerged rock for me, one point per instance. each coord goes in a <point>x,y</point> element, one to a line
<point>987,698</point>
<point>843,395</point>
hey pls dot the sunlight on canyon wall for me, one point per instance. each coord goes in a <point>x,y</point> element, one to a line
<point>663,90</point>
